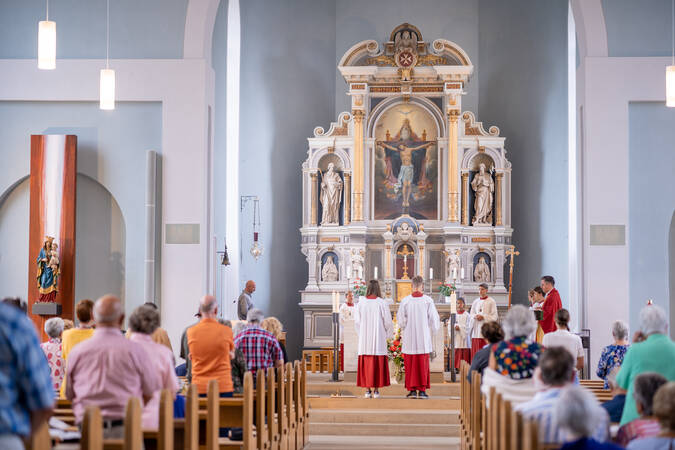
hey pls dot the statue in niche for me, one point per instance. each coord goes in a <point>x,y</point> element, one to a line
<point>484,187</point>
<point>329,271</point>
<point>358,258</point>
<point>481,273</point>
<point>331,191</point>
<point>48,271</point>
<point>452,265</point>
<point>404,232</point>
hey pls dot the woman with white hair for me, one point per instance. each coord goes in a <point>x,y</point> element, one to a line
<point>578,414</point>
<point>664,411</point>
<point>655,353</point>
<point>52,349</point>
<point>612,355</point>
<point>646,385</point>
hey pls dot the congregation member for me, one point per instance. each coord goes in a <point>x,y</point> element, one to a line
<point>16,302</point>
<point>273,325</point>
<point>108,369</point>
<point>160,335</point>
<point>26,390</point>
<point>52,351</point>
<point>68,324</point>
<point>185,349</point>
<point>260,348</point>
<point>211,348</point>
<point>245,302</point>
<point>492,333</point>
<point>238,362</point>
<point>143,323</point>
<point>483,310</point>
<point>346,314</point>
<point>513,360</point>
<point>551,304</point>
<point>419,321</point>
<point>612,355</point>
<point>84,311</point>
<point>664,411</point>
<point>536,299</point>
<point>652,351</point>
<point>554,373</point>
<point>577,413</point>
<point>462,346</point>
<point>372,320</point>
<point>562,337</point>
<point>644,390</point>
<point>614,407</point>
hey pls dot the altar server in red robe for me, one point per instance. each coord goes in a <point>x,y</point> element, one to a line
<point>483,310</point>
<point>373,323</point>
<point>419,321</point>
<point>552,304</point>
<point>462,344</point>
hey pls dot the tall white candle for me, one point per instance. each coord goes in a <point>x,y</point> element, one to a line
<point>461,273</point>
<point>453,303</point>
<point>375,272</point>
<point>454,273</point>
<point>431,273</point>
<point>361,272</point>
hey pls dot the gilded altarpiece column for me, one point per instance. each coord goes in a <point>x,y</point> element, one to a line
<point>357,212</point>
<point>453,196</point>
<point>313,178</point>
<point>348,198</point>
<point>465,199</point>
<point>498,197</point>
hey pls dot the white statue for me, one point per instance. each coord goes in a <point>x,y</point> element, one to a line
<point>357,263</point>
<point>404,232</point>
<point>329,271</point>
<point>331,192</point>
<point>481,273</point>
<point>452,264</point>
<point>484,188</point>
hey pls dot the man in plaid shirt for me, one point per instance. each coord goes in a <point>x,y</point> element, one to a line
<point>260,348</point>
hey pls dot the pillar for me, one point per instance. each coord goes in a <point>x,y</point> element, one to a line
<point>453,196</point>
<point>357,203</point>
<point>348,198</point>
<point>498,194</point>
<point>465,199</point>
<point>313,177</point>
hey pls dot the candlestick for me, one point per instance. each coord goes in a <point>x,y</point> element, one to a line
<point>375,272</point>
<point>461,273</point>
<point>361,272</point>
<point>453,303</point>
<point>431,273</point>
<point>336,302</point>
<point>454,273</point>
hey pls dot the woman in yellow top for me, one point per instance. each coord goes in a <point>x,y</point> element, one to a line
<point>537,299</point>
<point>84,310</point>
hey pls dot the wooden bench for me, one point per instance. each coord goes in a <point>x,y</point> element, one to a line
<point>318,360</point>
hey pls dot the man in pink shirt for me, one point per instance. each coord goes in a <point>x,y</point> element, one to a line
<point>107,369</point>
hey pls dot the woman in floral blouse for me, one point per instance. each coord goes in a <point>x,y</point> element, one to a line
<point>52,350</point>
<point>612,355</point>
<point>517,356</point>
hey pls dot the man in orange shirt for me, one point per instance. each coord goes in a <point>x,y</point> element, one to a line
<point>211,347</point>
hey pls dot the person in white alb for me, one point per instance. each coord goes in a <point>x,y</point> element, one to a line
<point>419,321</point>
<point>346,314</point>
<point>563,338</point>
<point>373,323</point>
<point>462,345</point>
<point>483,310</point>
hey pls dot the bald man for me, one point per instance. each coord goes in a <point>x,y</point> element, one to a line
<point>245,303</point>
<point>107,369</point>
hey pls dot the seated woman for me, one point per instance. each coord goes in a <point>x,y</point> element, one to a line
<point>612,355</point>
<point>512,361</point>
<point>52,350</point>
<point>273,325</point>
<point>492,333</point>
<point>664,411</point>
<point>578,415</point>
<point>562,337</point>
<point>646,385</point>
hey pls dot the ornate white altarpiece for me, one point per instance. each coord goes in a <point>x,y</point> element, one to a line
<point>405,183</point>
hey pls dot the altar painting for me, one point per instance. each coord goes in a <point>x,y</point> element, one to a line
<point>406,164</point>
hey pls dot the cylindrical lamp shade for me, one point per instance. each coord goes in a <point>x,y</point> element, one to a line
<point>46,45</point>
<point>107,89</point>
<point>670,86</point>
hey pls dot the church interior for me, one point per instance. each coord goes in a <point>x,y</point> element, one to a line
<point>286,205</point>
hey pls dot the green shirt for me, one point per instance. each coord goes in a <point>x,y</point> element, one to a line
<point>656,354</point>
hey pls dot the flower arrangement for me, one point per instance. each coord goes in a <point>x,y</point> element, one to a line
<point>359,288</point>
<point>446,289</point>
<point>395,354</point>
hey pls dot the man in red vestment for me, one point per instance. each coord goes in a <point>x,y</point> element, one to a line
<point>552,304</point>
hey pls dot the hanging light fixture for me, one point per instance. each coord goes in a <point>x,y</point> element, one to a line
<point>670,70</point>
<point>256,248</point>
<point>107,81</point>
<point>47,43</point>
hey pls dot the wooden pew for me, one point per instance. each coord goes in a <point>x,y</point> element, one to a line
<point>39,439</point>
<point>282,417</point>
<point>133,433</point>
<point>299,406</point>
<point>92,429</point>
<point>475,411</point>
<point>273,437</point>
<point>229,413</point>
<point>290,409</point>
<point>305,404</point>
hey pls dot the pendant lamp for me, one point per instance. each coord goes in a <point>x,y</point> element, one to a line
<point>670,70</point>
<point>107,80</point>
<point>47,43</point>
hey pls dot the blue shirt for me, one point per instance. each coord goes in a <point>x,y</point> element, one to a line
<point>25,378</point>
<point>589,444</point>
<point>612,356</point>
<point>614,407</point>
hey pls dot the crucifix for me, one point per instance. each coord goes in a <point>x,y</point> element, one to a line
<point>405,252</point>
<point>512,253</point>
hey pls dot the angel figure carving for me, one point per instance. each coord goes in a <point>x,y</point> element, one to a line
<point>484,187</point>
<point>331,192</point>
<point>452,267</point>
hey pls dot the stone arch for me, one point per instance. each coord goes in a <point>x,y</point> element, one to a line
<point>422,102</point>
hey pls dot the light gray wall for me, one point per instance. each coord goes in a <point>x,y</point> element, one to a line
<point>523,90</point>
<point>112,149</point>
<point>638,28</point>
<point>138,28</point>
<point>358,20</point>
<point>287,89</point>
<point>651,205</point>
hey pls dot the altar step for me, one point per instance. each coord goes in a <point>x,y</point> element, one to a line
<point>400,404</point>
<point>384,416</point>
<point>323,387</point>
<point>379,442</point>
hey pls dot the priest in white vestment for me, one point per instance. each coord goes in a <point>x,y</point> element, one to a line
<point>419,321</point>
<point>483,310</point>
<point>346,314</point>
<point>462,344</point>
<point>374,326</point>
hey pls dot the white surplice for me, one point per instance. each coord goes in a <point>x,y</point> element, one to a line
<point>485,307</point>
<point>346,314</point>
<point>419,321</point>
<point>462,320</point>
<point>374,326</point>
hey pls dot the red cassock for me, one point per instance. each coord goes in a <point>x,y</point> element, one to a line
<point>417,377</point>
<point>551,306</point>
